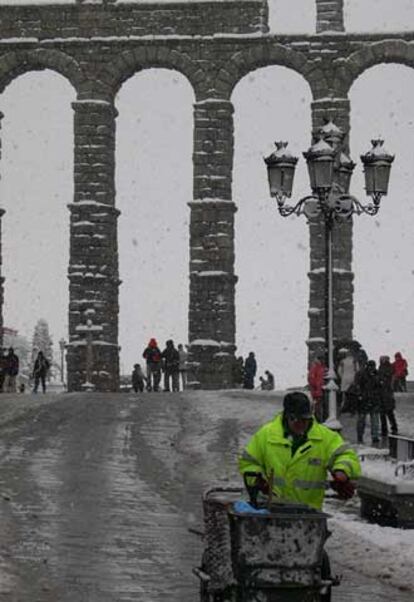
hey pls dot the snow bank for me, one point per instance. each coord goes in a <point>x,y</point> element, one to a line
<point>380,552</point>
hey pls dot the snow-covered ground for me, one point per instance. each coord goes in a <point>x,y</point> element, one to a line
<point>211,427</point>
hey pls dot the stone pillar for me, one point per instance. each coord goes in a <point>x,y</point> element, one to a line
<point>343,288</point>
<point>2,212</point>
<point>212,279</point>
<point>93,267</point>
<point>329,15</point>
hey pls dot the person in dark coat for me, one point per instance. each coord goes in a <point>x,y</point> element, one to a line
<point>385,374</point>
<point>40,370</point>
<point>369,401</point>
<point>171,367</point>
<point>11,370</point>
<point>138,379</point>
<point>358,353</point>
<point>152,355</point>
<point>250,369</point>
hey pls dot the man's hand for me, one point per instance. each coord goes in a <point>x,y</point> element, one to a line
<point>342,485</point>
<point>262,485</point>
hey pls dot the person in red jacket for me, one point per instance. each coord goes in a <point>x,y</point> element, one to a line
<point>399,372</point>
<point>316,380</point>
<point>152,355</point>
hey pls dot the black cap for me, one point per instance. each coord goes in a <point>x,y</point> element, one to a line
<point>297,405</point>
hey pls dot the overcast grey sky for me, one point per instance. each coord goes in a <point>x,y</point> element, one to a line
<point>154,184</point>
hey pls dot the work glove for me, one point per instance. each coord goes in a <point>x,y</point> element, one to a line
<point>262,485</point>
<point>255,483</point>
<point>342,485</point>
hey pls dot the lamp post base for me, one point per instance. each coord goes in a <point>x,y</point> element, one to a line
<point>88,386</point>
<point>331,387</point>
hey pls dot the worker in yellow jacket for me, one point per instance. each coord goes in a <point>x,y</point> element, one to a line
<point>294,455</point>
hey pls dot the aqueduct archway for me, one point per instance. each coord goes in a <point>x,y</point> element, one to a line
<point>213,44</point>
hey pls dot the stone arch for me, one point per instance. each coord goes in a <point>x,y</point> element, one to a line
<point>155,122</point>
<point>244,61</point>
<point>387,51</point>
<point>19,62</point>
<point>126,64</point>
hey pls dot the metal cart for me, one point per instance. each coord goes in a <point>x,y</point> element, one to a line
<point>274,557</point>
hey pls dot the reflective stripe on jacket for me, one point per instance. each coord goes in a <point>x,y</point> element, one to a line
<point>302,478</point>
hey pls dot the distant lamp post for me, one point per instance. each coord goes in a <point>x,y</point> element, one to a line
<point>62,346</point>
<point>330,171</point>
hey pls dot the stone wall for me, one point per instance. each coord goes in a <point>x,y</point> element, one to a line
<point>133,19</point>
<point>329,15</point>
<point>98,47</point>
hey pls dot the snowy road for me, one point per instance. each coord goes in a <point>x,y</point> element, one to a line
<point>97,493</point>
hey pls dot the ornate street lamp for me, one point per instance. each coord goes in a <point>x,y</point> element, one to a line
<point>330,171</point>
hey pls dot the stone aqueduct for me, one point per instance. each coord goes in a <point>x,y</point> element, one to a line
<point>97,46</point>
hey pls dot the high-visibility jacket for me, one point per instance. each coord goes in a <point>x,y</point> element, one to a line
<point>303,477</point>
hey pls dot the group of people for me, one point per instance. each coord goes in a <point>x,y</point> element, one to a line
<point>10,367</point>
<point>244,373</point>
<point>365,389</point>
<point>172,361</point>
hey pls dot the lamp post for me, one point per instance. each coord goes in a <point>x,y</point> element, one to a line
<point>330,171</point>
<point>62,345</point>
<point>89,329</point>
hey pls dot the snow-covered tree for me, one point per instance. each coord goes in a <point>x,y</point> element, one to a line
<point>42,341</point>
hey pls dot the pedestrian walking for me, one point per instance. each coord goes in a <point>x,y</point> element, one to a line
<point>385,375</point>
<point>138,379</point>
<point>40,370</point>
<point>400,373</point>
<point>250,369</point>
<point>183,366</point>
<point>11,371</point>
<point>152,355</point>
<point>347,370</point>
<point>171,367</point>
<point>359,354</point>
<point>369,401</point>
<point>316,381</point>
